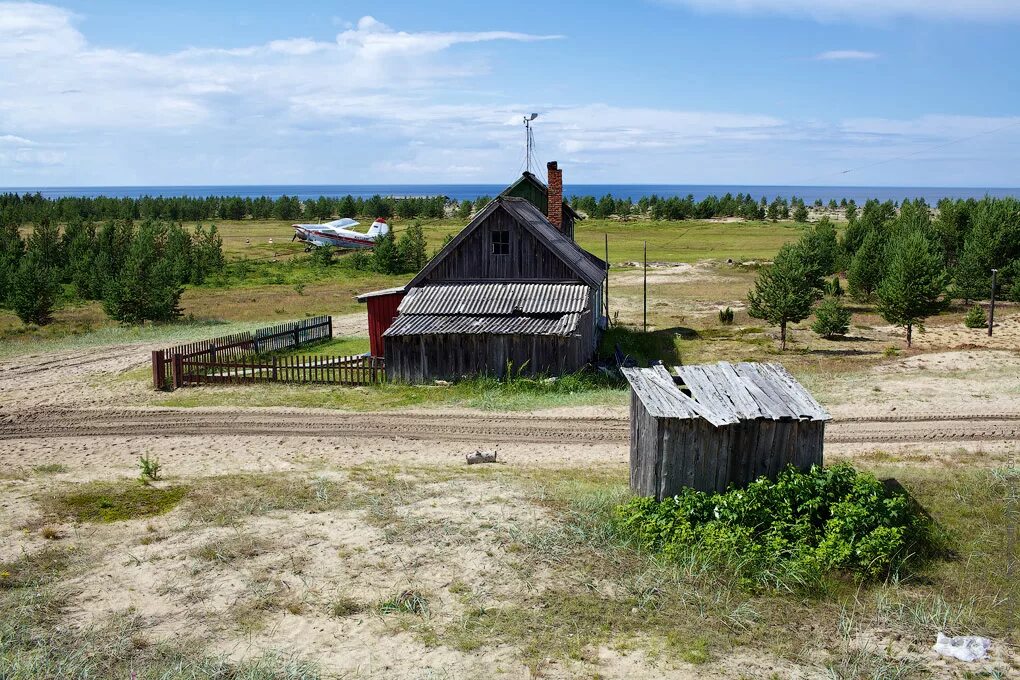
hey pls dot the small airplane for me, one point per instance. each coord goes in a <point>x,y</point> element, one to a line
<point>339,234</point>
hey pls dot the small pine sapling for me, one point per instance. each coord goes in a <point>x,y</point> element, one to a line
<point>976,317</point>
<point>831,318</point>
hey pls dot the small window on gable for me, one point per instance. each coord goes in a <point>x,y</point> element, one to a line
<point>501,243</point>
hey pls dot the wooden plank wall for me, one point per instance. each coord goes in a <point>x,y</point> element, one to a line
<point>529,259</point>
<point>424,358</point>
<point>668,454</point>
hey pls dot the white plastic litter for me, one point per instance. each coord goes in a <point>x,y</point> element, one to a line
<point>964,648</point>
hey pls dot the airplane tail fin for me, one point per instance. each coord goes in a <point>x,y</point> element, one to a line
<point>378,228</point>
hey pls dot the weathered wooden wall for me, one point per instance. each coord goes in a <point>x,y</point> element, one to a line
<point>668,454</point>
<point>423,358</point>
<point>473,260</point>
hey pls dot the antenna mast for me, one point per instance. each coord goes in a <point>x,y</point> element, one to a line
<point>529,141</point>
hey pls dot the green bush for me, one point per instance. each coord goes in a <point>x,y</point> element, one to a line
<point>831,318</point>
<point>976,317</point>
<point>726,316</point>
<point>789,533</point>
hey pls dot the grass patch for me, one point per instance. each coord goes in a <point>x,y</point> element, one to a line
<point>241,546</point>
<point>644,348</point>
<point>406,602</point>
<point>343,346</point>
<point>519,394</point>
<point>112,502</point>
<point>343,606</point>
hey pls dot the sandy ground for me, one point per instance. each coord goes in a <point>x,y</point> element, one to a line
<point>451,539</point>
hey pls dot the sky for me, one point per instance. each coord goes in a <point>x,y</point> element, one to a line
<point>815,92</point>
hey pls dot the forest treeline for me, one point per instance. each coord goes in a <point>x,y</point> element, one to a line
<point>33,208</point>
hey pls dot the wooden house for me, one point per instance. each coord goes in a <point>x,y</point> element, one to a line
<point>512,291</point>
<point>712,426</point>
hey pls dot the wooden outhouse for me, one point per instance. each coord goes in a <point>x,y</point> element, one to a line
<point>713,426</point>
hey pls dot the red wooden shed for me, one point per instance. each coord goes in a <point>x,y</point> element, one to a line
<point>382,310</point>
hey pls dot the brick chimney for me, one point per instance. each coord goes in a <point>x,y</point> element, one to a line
<point>555,195</point>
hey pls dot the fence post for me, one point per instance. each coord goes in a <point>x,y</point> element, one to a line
<point>178,371</point>
<point>157,368</point>
<point>297,334</point>
<point>329,324</point>
<point>212,350</point>
<point>274,369</point>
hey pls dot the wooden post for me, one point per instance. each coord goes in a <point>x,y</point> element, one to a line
<point>212,350</point>
<point>297,335</point>
<point>607,280</point>
<point>158,364</point>
<point>178,371</point>
<point>991,311</point>
<point>274,369</point>
<point>329,324</point>
<point>644,323</point>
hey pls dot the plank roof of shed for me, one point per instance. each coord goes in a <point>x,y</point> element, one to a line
<point>727,393</point>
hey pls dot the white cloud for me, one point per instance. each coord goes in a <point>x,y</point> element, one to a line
<point>866,10</point>
<point>846,55</point>
<point>380,105</point>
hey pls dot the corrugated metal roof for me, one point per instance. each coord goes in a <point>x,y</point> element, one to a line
<point>496,298</point>
<point>565,247</point>
<point>378,293</point>
<point>726,393</point>
<point>443,324</point>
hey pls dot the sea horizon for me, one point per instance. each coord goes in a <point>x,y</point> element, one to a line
<point>634,191</point>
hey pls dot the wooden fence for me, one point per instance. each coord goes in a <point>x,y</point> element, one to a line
<point>331,370</point>
<point>230,348</point>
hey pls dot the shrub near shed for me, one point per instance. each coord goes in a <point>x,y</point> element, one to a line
<point>789,533</point>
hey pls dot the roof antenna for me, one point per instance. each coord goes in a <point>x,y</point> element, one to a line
<point>529,140</point>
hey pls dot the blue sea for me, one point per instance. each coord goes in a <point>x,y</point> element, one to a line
<point>473,191</point>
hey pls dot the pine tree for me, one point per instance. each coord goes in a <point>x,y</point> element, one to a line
<point>464,211</point>
<point>973,272</point>
<point>800,213</point>
<point>782,293</point>
<point>34,288</point>
<point>81,250</point>
<point>385,257</point>
<point>12,249</point>
<point>865,272</point>
<point>147,287</point>
<point>411,249</point>
<point>915,283</point>
<point>831,318</point>
<point>820,248</point>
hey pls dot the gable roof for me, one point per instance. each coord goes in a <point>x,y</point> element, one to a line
<point>530,178</point>
<point>531,218</point>
<point>724,393</point>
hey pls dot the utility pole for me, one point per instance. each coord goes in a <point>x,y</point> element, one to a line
<point>644,323</point>
<point>991,311</point>
<point>607,279</point>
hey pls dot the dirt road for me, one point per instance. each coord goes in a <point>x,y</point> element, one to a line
<point>47,422</point>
